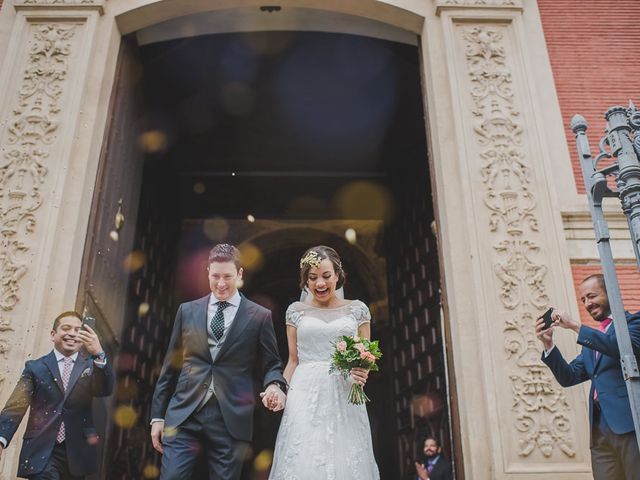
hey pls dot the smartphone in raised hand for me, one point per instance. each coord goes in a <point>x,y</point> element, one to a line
<point>548,321</point>
<point>90,321</point>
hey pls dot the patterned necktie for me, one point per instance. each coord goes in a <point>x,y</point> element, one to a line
<point>603,328</point>
<point>66,374</point>
<point>217,322</point>
<point>429,467</point>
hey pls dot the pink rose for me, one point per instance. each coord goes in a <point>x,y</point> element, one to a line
<point>359,347</point>
<point>371,357</point>
<point>364,355</point>
<point>341,346</point>
<point>356,338</point>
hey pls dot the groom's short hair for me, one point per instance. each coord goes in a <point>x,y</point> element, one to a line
<point>223,252</point>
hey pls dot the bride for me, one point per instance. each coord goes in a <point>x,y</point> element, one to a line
<point>322,436</point>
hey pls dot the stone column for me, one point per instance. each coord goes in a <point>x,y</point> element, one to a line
<point>47,171</point>
<point>503,248</point>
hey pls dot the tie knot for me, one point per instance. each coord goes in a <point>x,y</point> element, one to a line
<point>222,305</point>
<point>605,323</point>
<point>68,360</point>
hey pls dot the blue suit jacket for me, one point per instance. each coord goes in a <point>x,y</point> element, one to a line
<point>605,373</point>
<point>40,387</point>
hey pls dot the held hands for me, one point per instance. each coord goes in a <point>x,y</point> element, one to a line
<point>273,398</point>
<point>359,376</point>
<point>89,339</point>
<point>422,472</point>
<point>157,434</point>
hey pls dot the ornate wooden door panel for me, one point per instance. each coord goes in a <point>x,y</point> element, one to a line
<point>420,387</point>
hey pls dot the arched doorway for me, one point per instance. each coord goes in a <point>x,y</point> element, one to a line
<point>209,158</point>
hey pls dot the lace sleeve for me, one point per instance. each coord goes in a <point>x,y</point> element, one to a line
<point>293,315</point>
<point>361,312</point>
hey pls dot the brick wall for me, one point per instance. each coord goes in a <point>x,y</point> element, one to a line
<point>593,47</point>
<point>628,277</point>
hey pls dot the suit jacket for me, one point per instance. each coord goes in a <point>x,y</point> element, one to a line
<point>249,354</point>
<point>441,470</point>
<point>605,373</point>
<point>40,387</point>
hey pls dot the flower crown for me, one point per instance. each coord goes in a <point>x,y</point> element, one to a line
<point>312,259</point>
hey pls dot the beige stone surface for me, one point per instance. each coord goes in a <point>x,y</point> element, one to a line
<point>495,136</point>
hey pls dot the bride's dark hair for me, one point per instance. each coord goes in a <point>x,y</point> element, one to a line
<point>321,252</point>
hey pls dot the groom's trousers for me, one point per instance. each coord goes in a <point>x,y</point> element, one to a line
<point>203,432</point>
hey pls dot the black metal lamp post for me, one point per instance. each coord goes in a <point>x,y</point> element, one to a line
<point>621,142</point>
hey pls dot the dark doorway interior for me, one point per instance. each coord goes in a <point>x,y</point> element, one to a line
<point>276,142</point>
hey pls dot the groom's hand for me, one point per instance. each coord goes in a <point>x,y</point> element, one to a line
<point>157,433</point>
<point>273,398</point>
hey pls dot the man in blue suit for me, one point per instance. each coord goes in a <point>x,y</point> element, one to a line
<point>60,439</point>
<point>614,450</point>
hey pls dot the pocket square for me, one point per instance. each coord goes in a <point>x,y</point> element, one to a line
<point>86,372</point>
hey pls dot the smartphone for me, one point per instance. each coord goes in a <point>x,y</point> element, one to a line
<point>89,321</point>
<point>548,321</point>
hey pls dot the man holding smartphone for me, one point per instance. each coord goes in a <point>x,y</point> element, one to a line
<point>614,450</point>
<point>60,439</point>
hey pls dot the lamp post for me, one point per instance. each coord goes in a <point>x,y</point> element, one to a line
<point>622,143</point>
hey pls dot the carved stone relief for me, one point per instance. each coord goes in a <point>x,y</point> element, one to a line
<point>480,2</point>
<point>541,412</point>
<point>31,130</point>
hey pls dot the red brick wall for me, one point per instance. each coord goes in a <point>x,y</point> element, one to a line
<point>593,47</point>
<point>628,277</point>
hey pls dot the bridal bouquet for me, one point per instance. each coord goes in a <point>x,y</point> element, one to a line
<point>355,352</point>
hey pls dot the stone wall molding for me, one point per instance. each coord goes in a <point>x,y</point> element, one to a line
<point>60,5</point>
<point>444,5</point>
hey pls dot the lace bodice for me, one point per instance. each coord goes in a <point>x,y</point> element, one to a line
<point>318,328</point>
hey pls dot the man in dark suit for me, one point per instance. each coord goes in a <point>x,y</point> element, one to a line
<point>60,439</point>
<point>221,346</point>
<point>614,450</point>
<point>434,466</point>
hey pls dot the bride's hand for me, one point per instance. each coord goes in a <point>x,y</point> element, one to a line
<point>273,398</point>
<point>359,376</point>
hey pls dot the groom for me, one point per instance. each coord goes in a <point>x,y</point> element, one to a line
<point>205,396</point>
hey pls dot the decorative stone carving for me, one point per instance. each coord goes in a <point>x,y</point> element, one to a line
<point>31,130</point>
<point>539,404</point>
<point>480,2</point>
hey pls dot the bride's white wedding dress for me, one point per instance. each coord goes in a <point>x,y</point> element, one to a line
<point>322,436</point>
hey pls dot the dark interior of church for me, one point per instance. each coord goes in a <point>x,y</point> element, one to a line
<point>279,141</point>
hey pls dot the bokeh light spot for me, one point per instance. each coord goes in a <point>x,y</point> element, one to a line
<point>350,235</point>
<point>151,471</point>
<point>216,228</point>
<point>251,218</point>
<point>152,141</point>
<point>199,188</point>
<point>263,460</point>
<point>134,261</point>
<point>252,257</point>
<point>237,98</point>
<point>363,199</point>
<point>143,309</point>
<point>125,416</point>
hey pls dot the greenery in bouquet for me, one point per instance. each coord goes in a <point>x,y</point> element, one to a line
<point>355,352</point>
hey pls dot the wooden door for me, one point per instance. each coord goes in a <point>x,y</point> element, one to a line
<point>105,276</point>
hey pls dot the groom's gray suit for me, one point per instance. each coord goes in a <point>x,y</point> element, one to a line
<point>246,356</point>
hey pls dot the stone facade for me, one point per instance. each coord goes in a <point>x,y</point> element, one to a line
<point>496,133</point>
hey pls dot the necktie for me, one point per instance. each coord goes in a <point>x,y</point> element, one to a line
<point>603,328</point>
<point>429,467</point>
<point>66,374</point>
<point>217,322</point>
